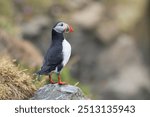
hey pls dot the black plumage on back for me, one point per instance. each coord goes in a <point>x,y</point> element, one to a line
<point>54,55</point>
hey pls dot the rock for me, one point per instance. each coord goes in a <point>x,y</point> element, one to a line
<point>90,16</point>
<point>58,92</point>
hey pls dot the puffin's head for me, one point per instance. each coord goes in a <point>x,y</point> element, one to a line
<point>62,27</point>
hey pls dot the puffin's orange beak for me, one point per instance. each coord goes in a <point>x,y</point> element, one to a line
<point>69,29</point>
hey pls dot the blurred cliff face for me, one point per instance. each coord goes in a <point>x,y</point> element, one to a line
<point>110,44</point>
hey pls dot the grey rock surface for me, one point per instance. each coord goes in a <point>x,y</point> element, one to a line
<point>58,92</point>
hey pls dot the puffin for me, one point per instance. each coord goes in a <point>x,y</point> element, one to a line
<point>58,54</point>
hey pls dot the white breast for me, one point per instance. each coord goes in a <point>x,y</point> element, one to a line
<point>66,51</point>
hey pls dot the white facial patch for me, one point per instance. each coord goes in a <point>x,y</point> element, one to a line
<point>60,27</point>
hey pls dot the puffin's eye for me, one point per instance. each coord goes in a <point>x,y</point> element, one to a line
<point>61,25</point>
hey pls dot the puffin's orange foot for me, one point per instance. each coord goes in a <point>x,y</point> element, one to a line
<point>52,82</point>
<point>62,83</point>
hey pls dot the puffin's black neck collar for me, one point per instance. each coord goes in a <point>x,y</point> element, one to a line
<point>57,36</point>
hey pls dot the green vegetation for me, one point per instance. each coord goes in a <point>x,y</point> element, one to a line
<point>6,8</point>
<point>6,16</point>
<point>7,25</point>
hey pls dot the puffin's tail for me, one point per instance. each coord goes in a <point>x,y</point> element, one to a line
<point>45,70</point>
<point>39,73</point>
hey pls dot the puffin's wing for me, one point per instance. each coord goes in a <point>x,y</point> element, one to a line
<point>52,59</point>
